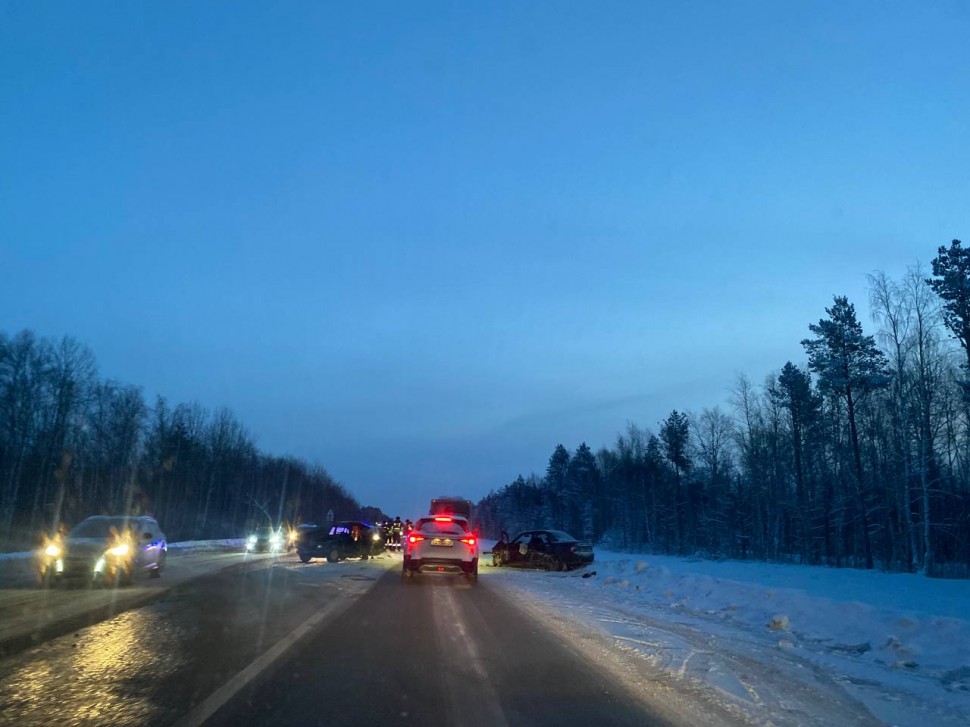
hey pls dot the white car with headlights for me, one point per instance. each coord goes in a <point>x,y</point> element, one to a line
<point>105,549</point>
<point>441,545</point>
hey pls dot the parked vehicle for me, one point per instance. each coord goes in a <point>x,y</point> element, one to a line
<point>293,535</point>
<point>543,549</point>
<point>445,505</point>
<point>104,549</point>
<point>441,545</point>
<point>346,539</point>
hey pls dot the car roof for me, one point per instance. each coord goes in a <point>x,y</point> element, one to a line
<point>139,518</point>
<point>560,535</point>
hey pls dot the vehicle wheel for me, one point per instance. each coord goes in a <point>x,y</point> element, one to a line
<point>473,577</point>
<point>121,577</point>
<point>364,556</point>
<point>407,576</point>
<point>333,556</point>
<point>305,557</point>
<point>156,572</point>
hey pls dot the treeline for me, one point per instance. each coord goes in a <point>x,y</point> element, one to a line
<point>860,458</point>
<point>73,445</point>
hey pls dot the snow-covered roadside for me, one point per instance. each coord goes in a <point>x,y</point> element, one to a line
<point>781,643</point>
<point>225,544</point>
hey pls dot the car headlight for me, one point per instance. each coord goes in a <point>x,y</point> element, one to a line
<point>375,537</point>
<point>119,551</point>
<point>275,540</point>
<point>52,551</point>
<point>251,541</point>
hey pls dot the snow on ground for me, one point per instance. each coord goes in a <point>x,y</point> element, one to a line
<point>226,544</point>
<point>775,640</point>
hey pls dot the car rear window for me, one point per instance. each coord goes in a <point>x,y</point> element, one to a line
<point>445,526</point>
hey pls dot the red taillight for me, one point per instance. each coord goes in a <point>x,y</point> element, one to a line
<point>415,538</point>
<point>469,540</point>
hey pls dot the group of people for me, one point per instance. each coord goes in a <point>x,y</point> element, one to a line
<point>394,531</point>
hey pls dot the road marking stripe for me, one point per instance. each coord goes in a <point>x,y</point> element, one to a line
<point>227,691</point>
<point>474,704</point>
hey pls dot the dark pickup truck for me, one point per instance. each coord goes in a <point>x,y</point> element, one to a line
<point>345,539</point>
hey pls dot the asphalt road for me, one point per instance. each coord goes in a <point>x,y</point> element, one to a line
<point>438,651</point>
<point>285,643</point>
<point>30,615</point>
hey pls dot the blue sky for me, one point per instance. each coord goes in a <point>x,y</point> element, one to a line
<point>422,243</point>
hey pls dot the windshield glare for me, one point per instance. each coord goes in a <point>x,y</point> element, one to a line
<point>100,528</point>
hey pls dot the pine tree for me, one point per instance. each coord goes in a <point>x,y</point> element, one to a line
<point>555,484</point>
<point>951,281</point>
<point>583,477</point>
<point>849,366</point>
<point>675,436</point>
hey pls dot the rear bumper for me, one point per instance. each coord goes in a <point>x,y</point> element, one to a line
<point>441,565</point>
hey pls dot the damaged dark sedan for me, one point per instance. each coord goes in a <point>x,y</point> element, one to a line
<point>542,549</point>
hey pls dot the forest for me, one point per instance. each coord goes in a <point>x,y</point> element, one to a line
<point>859,457</point>
<point>73,445</point>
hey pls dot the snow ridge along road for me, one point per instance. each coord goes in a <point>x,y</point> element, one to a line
<point>789,644</point>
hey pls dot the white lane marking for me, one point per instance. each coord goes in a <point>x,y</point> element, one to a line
<point>470,704</point>
<point>227,691</point>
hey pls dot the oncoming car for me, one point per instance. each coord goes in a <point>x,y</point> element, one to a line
<point>265,540</point>
<point>441,545</point>
<point>105,549</point>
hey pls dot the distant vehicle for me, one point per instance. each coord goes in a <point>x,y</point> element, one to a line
<point>265,540</point>
<point>346,539</point>
<point>441,545</point>
<point>542,549</point>
<point>105,549</point>
<point>451,506</point>
<point>294,534</point>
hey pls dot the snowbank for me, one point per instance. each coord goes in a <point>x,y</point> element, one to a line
<point>899,643</point>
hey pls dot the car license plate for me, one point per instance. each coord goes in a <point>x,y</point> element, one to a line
<point>444,542</point>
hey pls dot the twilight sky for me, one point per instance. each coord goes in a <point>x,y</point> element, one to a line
<point>421,243</point>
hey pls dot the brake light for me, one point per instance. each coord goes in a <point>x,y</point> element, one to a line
<point>443,520</point>
<point>469,540</point>
<point>415,538</point>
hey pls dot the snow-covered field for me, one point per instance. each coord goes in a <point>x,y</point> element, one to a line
<point>779,644</point>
